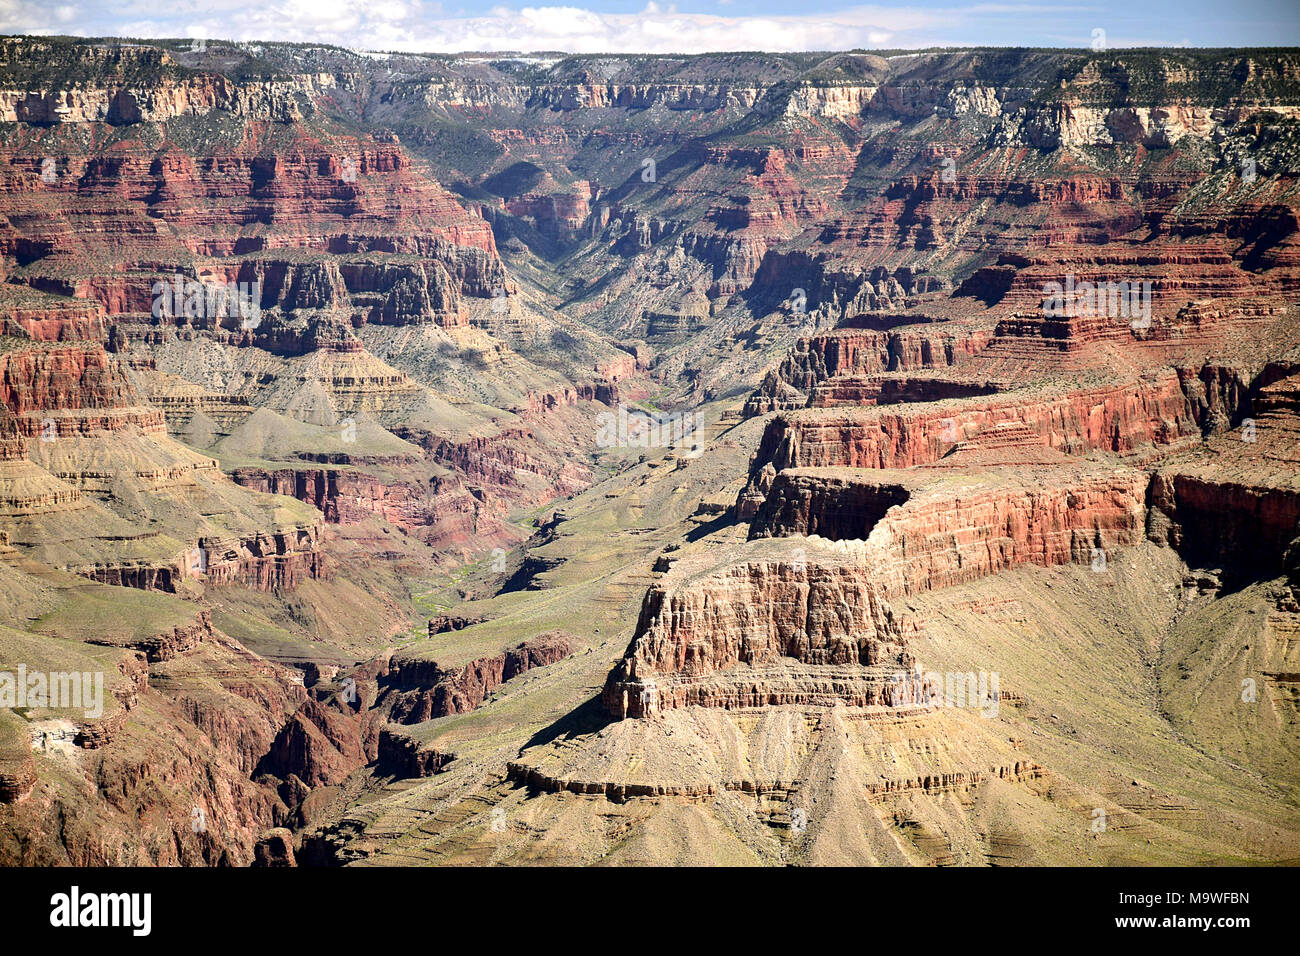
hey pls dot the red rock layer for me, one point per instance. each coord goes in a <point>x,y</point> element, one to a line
<point>753,613</point>
<point>413,250</point>
<point>826,608</point>
<point>1042,520</point>
<point>1120,418</point>
<point>77,378</point>
<point>864,390</point>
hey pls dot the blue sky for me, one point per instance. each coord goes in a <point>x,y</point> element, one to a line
<point>683,26</point>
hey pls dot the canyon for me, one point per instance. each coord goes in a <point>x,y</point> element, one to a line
<point>943,567</point>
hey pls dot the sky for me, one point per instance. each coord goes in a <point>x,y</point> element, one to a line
<point>683,26</point>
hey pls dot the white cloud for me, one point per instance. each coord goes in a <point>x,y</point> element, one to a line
<point>417,25</point>
<point>421,26</point>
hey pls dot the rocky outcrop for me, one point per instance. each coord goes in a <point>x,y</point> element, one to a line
<point>274,848</point>
<point>495,461</point>
<point>1235,505</point>
<point>150,87</point>
<point>864,390</point>
<point>1123,418</point>
<point>260,561</point>
<point>753,613</point>
<point>421,689</point>
<point>902,533</point>
<point>404,756</point>
<point>619,792</point>
<point>320,745</point>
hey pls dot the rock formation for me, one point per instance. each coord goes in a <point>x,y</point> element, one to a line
<point>993,356</point>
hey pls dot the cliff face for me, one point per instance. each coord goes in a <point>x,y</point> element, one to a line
<point>1217,521</point>
<point>938,543</point>
<point>150,86</point>
<point>1235,505</point>
<point>1124,418</point>
<point>901,534</point>
<point>320,745</point>
<point>754,613</point>
<point>420,689</point>
<point>80,377</point>
<point>842,354</point>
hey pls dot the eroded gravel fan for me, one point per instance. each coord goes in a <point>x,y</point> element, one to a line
<point>991,520</point>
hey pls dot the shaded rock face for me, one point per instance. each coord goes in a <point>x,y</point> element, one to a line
<point>318,487</point>
<point>1232,523</point>
<point>446,511</point>
<point>332,734</point>
<point>805,505</point>
<point>349,496</point>
<point>275,848</point>
<point>404,294</point>
<point>1237,508</point>
<point>950,541</point>
<point>320,745</point>
<point>420,689</point>
<point>1035,524</point>
<point>404,757</point>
